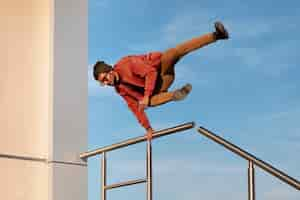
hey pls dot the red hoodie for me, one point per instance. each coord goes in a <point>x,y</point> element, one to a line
<point>138,75</point>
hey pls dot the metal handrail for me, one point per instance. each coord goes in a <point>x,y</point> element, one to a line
<point>125,143</point>
<point>251,171</point>
<point>263,165</point>
<point>125,183</point>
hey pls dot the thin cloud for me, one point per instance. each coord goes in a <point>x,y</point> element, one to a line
<point>240,28</point>
<point>189,23</point>
<point>272,60</point>
<point>279,193</point>
<point>293,112</point>
<point>100,3</point>
<point>259,26</point>
<point>190,74</point>
<point>179,28</point>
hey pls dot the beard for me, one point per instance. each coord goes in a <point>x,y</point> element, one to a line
<point>112,79</point>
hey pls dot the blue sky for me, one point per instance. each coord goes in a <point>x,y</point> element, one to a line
<point>245,89</point>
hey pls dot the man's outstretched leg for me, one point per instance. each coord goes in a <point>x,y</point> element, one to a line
<point>173,55</point>
<point>198,42</point>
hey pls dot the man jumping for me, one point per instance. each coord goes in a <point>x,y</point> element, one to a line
<point>143,80</point>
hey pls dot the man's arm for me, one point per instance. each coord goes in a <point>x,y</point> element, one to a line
<point>139,113</point>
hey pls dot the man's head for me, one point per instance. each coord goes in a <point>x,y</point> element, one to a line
<point>104,73</point>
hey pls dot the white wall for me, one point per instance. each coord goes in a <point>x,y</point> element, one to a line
<point>43,109</point>
<point>70,79</point>
<point>24,77</point>
<point>24,97</point>
<point>69,136</point>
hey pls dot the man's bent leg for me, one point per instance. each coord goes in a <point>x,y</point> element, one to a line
<point>167,81</point>
<point>165,97</point>
<point>161,98</point>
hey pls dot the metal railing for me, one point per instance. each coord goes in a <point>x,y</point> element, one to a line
<point>148,179</point>
<point>252,161</point>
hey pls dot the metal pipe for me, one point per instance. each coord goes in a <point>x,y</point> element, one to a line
<point>17,157</point>
<point>251,181</point>
<point>125,143</point>
<point>103,175</point>
<point>127,183</point>
<point>149,170</point>
<point>265,166</point>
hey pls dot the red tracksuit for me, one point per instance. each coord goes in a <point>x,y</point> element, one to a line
<point>138,75</point>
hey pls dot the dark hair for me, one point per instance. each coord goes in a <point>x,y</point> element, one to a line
<point>101,67</point>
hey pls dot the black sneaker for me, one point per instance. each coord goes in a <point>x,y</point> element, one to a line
<point>181,93</point>
<point>220,33</point>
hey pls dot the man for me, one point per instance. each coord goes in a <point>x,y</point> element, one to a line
<point>143,80</point>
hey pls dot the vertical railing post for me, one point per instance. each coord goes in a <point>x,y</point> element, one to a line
<point>149,170</point>
<point>251,181</point>
<point>103,177</point>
